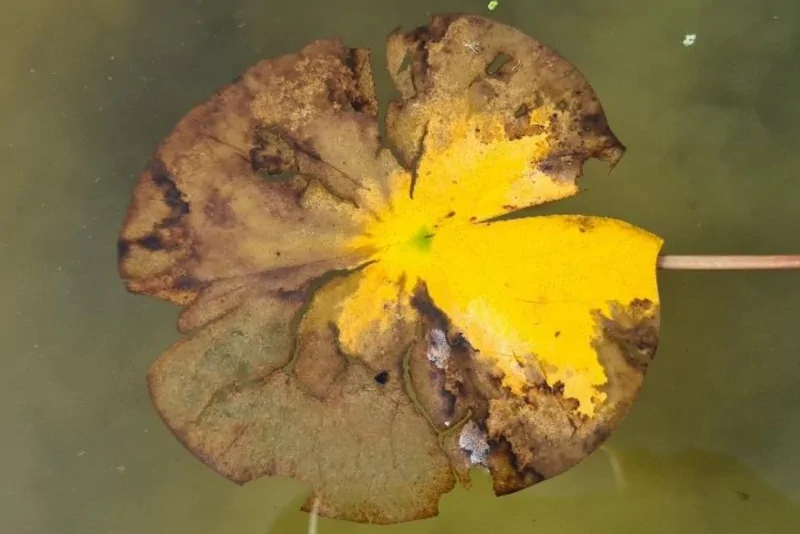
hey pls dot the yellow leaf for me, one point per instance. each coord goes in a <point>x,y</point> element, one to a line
<point>527,293</point>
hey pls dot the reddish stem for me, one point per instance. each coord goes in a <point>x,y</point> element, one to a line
<point>722,263</point>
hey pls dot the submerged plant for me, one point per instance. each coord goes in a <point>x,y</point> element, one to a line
<point>356,316</point>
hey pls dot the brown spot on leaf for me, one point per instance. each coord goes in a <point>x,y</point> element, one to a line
<point>272,154</point>
<point>172,195</point>
<point>122,249</point>
<point>634,329</point>
<point>219,212</point>
<point>150,242</point>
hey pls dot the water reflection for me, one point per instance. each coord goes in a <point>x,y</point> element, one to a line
<point>656,493</point>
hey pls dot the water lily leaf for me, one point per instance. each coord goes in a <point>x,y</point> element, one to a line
<point>356,317</point>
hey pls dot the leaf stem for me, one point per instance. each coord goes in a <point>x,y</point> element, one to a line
<point>727,263</point>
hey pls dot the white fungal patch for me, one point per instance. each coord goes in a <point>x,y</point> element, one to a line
<point>438,348</point>
<point>473,442</point>
<point>689,39</point>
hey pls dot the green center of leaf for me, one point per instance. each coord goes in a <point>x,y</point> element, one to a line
<point>422,239</point>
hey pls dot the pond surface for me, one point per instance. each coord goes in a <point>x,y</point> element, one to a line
<point>91,86</point>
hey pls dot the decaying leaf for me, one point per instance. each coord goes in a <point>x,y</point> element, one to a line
<point>355,316</point>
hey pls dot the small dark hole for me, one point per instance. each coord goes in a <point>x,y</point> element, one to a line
<point>497,63</point>
<point>558,333</point>
<point>382,377</point>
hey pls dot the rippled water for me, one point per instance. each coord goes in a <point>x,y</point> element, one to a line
<point>89,87</point>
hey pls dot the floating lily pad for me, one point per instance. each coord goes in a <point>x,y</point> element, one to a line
<point>355,316</point>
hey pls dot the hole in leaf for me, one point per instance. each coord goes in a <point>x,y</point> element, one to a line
<point>497,63</point>
<point>405,64</point>
<point>382,377</point>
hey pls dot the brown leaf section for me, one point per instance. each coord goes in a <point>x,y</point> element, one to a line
<point>502,72</point>
<point>537,436</point>
<point>278,170</point>
<point>252,397</point>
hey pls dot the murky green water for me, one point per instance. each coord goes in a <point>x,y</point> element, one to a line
<point>89,87</point>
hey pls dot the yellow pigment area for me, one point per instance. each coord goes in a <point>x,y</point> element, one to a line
<point>381,300</point>
<point>523,292</point>
<point>470,170</point>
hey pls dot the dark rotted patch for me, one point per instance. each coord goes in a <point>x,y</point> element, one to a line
<point>151,242</point>
<point>123,247</point>
<point>414,163</point>
<point>219,212</point>
<point>543,387</point>
<point>470,380</point>
<point>641,305</point>
<point>419,68</point>
<point>272,154</point>
<point>188,282</point>
<point>172,220</point>
<point>342,94</point>
<point>421,37</point>
<point>357,62</point>
<point>351,59</point>
<point>507,475</point>
<point>634,330</point>
<point>594,123</point>
<point>520,125</point>
<point>565,167</point>
<point>449,398</point>
<point>359,103</point>
<point>421,301</point>
<point>584,223</point>
<point>172,195</point>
